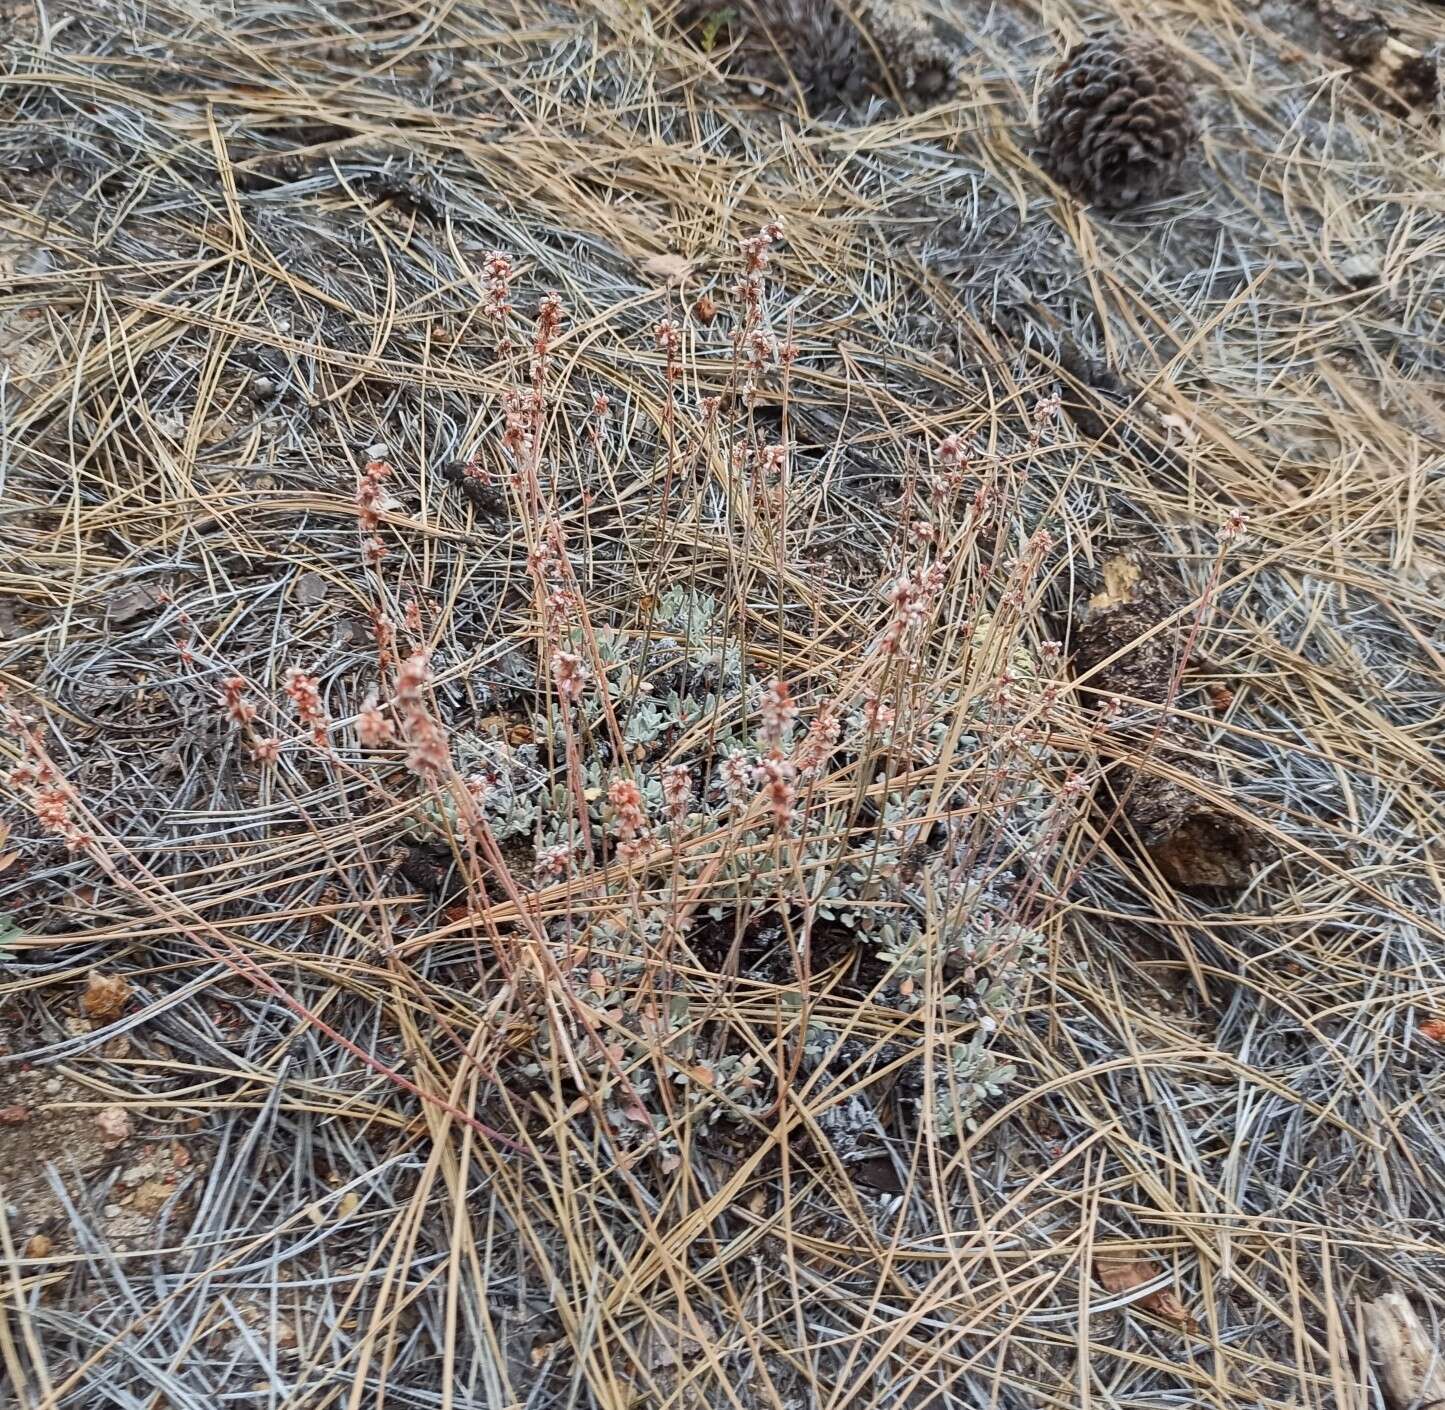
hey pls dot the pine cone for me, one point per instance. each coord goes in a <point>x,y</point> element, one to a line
<point>836,58</point>
<point>1116,121</point>
<point>819,44</point>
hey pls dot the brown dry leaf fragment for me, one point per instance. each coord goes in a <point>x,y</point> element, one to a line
<point>1433,1028</point>
<point>105,996</point>
<point>1119,1273</point>
<point>673,268</point>
<point>114,1126</point>
<point>705,309</point>
<point>132,603</point>
<point>14,1115</point>
<point>39,1246</point>
<point>150,1197</point>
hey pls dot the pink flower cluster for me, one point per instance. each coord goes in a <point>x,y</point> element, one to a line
<point>759,347</point>
<point>957,465</point>
<point>369,501</point>
<point>677,792</point>
<point>737,776</point>
<point>778,713</point>
<point>49,800</point>
<point>521,420</point>
<point>384,631</point>
<point>912,597</point>
<point>630,818</point>
<point>239,709</point>
<point>553,862</point>
<point>426,746</point>
<point>570,674</point>
<point>241,712</point>
<point>550,313</point>
<point>306,697</point>
<point>373,729</point>
<point>822,738</point>
<point>774,777</point>
<point>497,285</point>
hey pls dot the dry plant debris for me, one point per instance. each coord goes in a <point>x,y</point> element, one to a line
<point>1407,1358</point>
<point>1131,649</point>
<point>1404,78</point>
<point>536,617</point>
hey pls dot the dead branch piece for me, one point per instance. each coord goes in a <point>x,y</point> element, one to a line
<point>1410,1367</point>
<point>1195,838</point>
<point>1406,81</point>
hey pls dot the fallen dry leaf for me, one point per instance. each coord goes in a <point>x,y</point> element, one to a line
<point>39,1246</point>
<point>14,1115</point>
<point>114,1126</point>
<point>150,1197</point>
<point>105,996</point>
<point>705,309</point>
<point>1175,423</point>
<point>1119,1273</point>
<point>1433,1028</point>
<point>673,268</point>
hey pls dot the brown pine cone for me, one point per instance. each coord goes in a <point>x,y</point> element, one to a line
<point>838,52</point>
<point>1116,121</point>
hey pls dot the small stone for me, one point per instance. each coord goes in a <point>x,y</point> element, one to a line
<point>54,1087</point>
<point>1360,271</point>
<point>114,1126</point>
<point>114,1211</point>
<point>377,451</point>
<point>310,589</point>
